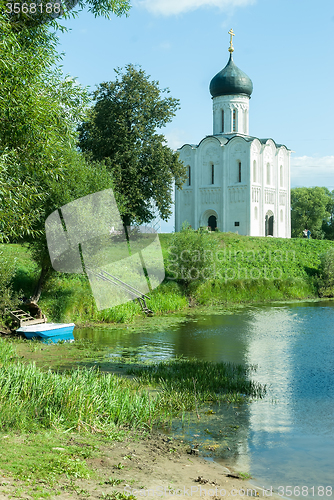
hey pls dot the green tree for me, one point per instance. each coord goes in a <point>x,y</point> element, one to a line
<point>39,112</point>
<point>121,129</point>
<point>40,167</point>
<point>309,208</point>
<point>80,178</point>
<point>24,13</point>
<point>328,225</point>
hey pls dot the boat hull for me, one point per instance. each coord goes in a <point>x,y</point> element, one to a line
<point>48,332</point>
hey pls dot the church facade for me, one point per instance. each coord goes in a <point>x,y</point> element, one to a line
<point>236,182</point>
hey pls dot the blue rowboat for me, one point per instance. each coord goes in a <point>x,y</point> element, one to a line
<point>48,332</point>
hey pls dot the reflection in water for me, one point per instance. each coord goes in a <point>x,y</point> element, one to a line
<point>286,438</point>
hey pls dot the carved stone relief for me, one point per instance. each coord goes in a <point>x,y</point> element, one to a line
<point>210,196</point>
<point>237,194</point>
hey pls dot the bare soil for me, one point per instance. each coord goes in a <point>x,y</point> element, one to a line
<point>154,467</point>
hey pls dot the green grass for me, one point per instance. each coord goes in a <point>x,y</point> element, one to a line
<point>242,270</point>
<point>45,456</point>
<point>90,401</point>
<point>42,410</point>
<point>186,382</point>
<point>79,399</point>
<point>37,463</point>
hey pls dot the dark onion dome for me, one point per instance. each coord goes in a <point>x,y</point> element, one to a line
<point>231,80</point>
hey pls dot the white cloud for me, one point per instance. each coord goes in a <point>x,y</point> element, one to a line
<point>171,7</point>
<point>311,171</point>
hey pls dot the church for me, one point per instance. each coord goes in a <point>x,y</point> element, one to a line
<point>236,182</point>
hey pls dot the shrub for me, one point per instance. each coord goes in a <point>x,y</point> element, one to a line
<point>326,274</point>
<point>191,255</point>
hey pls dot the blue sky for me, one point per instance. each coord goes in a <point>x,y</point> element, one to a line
<point>285,46</point>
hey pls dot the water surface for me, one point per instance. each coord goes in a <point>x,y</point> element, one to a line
<point>288,437</point>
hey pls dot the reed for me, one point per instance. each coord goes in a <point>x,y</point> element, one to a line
<point>88,400</point>
<point>215,382</point>
<point>80,399</point>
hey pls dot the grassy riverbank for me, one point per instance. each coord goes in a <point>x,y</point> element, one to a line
<point>54,425</point>
<point>32,398</point>
<point>202,269</point>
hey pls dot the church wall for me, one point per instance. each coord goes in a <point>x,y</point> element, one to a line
<point>210,182</point>
<point>263,190</point>
<point>269,185</point>
<point>229,103</point>
<point>256,189</point>
<point>184,199</point>
<point>237,195</point>
<point>236,178</point>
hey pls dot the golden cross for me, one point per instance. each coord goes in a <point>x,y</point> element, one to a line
<point>231,49</point>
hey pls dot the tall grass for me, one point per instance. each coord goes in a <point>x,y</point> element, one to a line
<point>184,382</point>
<point>79,399</point>
<point>213,292</point>
<point>69,298</point>
<point>87,400</point>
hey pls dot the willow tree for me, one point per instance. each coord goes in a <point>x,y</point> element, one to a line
<point>40,110</point>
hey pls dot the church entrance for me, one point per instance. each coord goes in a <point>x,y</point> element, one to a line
<point>212,222</point>
<point>269,224</point>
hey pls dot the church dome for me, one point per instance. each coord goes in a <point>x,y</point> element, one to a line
<point>231,80</point>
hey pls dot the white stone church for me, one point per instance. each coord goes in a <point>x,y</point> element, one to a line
<point>236,182</point>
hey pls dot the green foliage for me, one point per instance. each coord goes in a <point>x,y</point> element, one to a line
<point>309,208</point>
<point>105,8</point>
<point>245,270</point>
<point>76,178</point>
<point>328,225</point>
<point>8,298</point>
<point>80,399</point>
<point>326,274</point>
<point>89,401</point>
<point>199,381</point>
<point>214,292</point>
<point>191,255</point>
<point>121,129</point>
<point>168,297</point>
<point>19,197</point>
<point>39,112</point>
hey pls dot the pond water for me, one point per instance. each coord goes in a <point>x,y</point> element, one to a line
<point>285,439</point>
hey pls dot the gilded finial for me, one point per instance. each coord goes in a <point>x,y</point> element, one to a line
<point>231,48</point>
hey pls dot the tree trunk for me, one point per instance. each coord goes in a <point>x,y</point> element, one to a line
<point>38,290</point>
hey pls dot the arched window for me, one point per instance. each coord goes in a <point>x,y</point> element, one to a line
<point>234,120</point>
<point>212,174</point>
<point>254,171</point>
<point>255,213</point>
<point>268,173</point>
<point>239,171</point>
<point>281,176</point>
<point>189,175</point>
<point>222,120</point>
<point>281,216</point>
